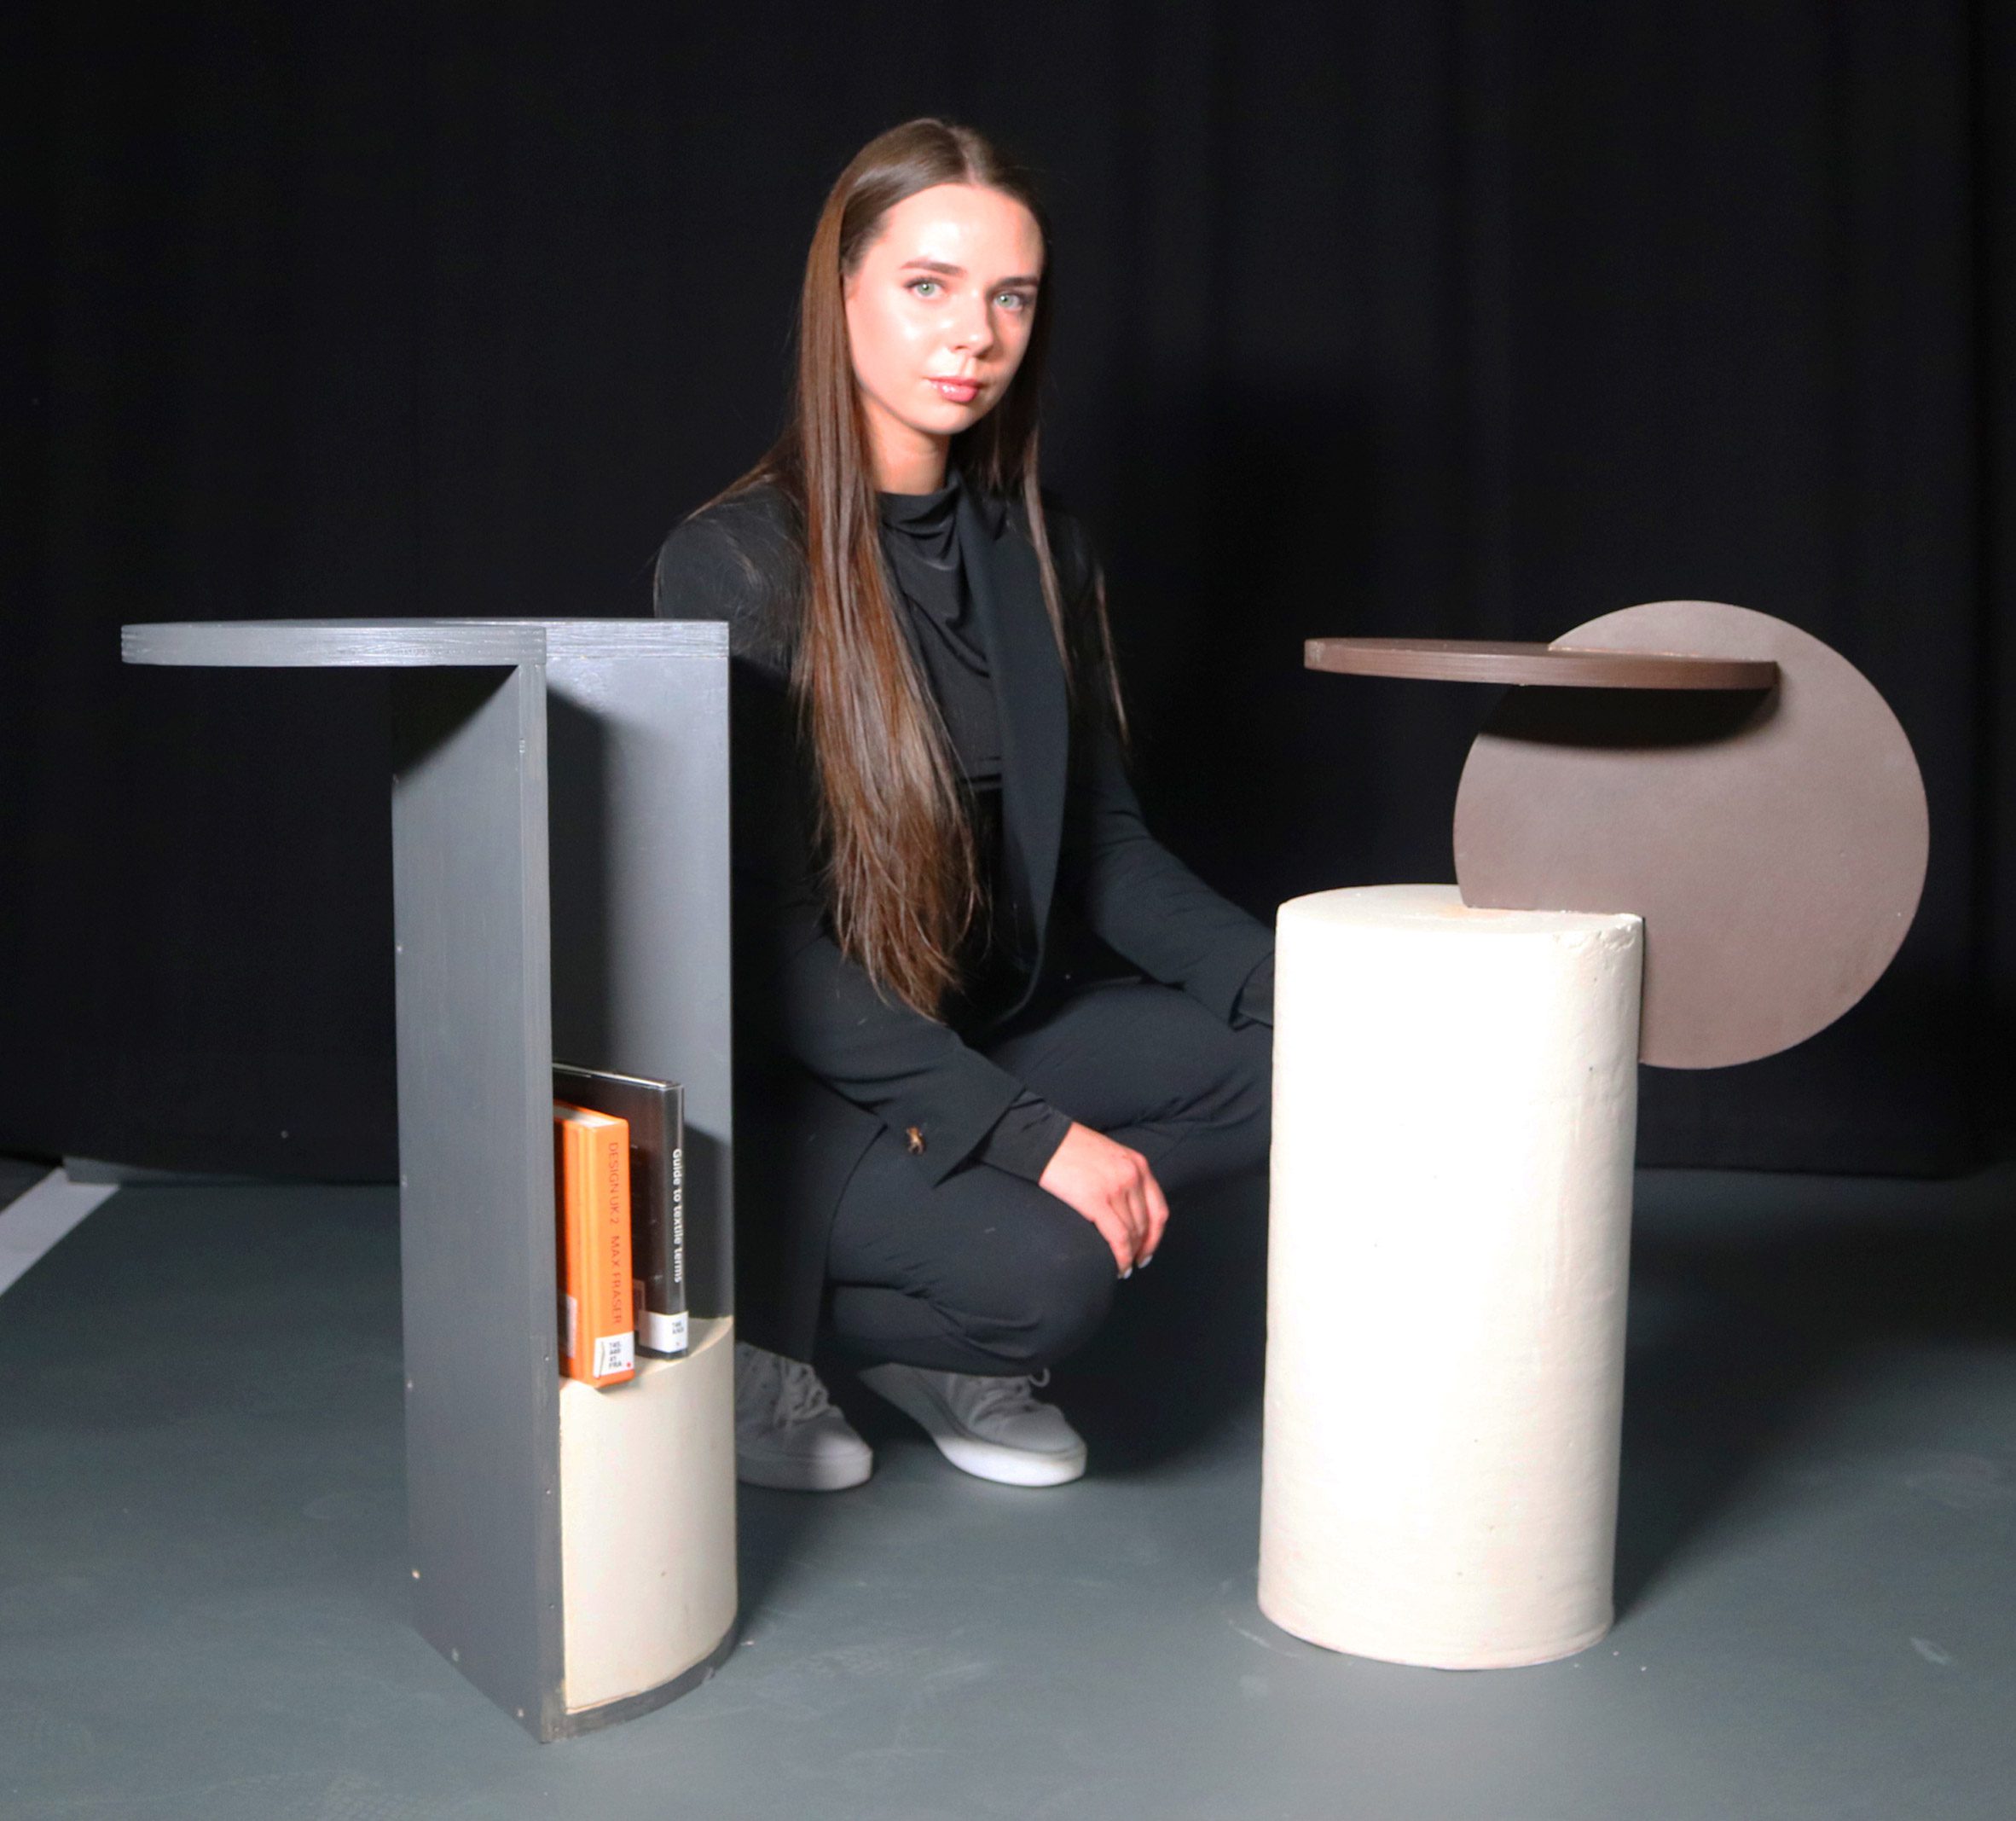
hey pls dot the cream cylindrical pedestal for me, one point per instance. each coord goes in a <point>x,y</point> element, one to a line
<point>647,1531</point>
<point>1455,1105</point>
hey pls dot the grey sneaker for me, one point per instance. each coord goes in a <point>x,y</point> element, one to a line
<point>990,1427</point>
<point>787,1433</point>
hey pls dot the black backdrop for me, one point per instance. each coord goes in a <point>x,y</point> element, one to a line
<point>1421,318</point>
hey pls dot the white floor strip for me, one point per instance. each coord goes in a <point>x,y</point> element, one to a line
<point>32,1223</point>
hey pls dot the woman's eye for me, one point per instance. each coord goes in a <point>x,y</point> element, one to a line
<point>1013,300</point>
<point>924,286</point>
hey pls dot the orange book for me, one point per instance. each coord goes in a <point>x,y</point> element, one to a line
<point>591,1201</point>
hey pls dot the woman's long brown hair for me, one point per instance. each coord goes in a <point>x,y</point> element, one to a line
<point>895,835</point>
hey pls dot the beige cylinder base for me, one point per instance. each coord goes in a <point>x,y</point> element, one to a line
<point>1455,1106</point>
<point>647,1521</point>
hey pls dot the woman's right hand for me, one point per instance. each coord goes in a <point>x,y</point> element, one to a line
<point>1113,1188</point>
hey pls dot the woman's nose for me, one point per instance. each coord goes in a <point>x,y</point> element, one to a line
<point>974,327</point>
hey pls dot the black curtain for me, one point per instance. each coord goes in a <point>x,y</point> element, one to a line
<point>1474,319</point>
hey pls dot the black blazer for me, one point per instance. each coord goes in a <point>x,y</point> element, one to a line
<point>824,1062</point>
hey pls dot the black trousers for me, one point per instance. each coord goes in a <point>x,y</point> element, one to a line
<point>986,1272</point>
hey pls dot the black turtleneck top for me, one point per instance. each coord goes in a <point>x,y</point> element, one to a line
<point>920,538</point>
<point>921,544</point>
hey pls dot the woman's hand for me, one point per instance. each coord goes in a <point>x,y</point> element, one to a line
<point>1113,1188</point>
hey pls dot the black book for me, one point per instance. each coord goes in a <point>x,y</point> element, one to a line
<point>656,1114</point>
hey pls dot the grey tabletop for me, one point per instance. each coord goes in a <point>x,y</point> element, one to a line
<point>409,642</point>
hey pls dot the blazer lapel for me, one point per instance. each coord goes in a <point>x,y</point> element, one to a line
<point>1007,591</point>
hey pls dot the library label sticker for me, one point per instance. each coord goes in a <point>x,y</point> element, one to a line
<point>663,1333</point>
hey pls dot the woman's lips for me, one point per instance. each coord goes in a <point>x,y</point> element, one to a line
<point>957,392</point>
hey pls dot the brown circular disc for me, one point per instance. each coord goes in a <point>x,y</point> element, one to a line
<point>1557,665</point>
<point>1775,845</point>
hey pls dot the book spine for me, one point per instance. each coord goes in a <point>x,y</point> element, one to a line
<point>663,1322</point>
<point>598,1337</point>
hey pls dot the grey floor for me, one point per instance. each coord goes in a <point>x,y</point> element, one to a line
<point>18,1174</point>
<point>202,1591</point>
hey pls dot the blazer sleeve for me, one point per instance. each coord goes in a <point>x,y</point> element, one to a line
<point>1137,896</point>
<point>811,1002</point>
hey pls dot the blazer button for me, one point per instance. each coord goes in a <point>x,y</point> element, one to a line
<point>915,1134</point>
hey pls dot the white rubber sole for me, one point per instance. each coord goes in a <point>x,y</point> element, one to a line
<point>794,1473</point>
<point>984,1460</point>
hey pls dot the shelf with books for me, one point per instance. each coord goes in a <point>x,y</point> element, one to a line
<point>560,886</point>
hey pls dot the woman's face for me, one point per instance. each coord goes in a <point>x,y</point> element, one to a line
<point>938,318</point>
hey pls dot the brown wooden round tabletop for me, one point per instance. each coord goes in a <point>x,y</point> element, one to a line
<point>1775,843</point>
<point>1560,665</point>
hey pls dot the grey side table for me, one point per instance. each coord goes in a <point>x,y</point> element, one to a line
<point>572,1550</point>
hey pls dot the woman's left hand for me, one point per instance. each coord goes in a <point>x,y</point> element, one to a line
<point>1113,1188</point>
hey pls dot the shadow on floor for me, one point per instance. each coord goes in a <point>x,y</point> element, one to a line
<point>1752,1298</point>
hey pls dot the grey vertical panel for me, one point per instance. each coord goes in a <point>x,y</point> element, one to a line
<point>469,854</point>
<point>639,719</point>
